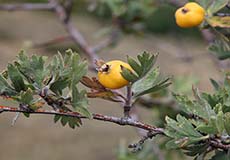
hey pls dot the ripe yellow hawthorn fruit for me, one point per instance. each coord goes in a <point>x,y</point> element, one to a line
<point>109,74</point>
<point>190,15</point>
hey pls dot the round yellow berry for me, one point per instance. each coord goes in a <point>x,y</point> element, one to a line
<point>109,74</point>
<point>190,15</point>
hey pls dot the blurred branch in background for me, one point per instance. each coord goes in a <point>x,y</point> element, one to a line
<point>150,102</point>
<point>63,12</point>
<point>27,6</point>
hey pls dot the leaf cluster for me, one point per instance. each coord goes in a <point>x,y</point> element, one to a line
<point>218,20</point>
<point>146,78</point>
<point>33,81</point>
<point>206,117</point>
<point>128,13</point>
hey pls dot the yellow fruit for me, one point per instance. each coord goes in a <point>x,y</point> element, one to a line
<point>109,74</point>
<point>190,15</point>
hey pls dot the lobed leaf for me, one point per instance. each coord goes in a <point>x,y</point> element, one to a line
<point>16,78</point>
<point>5,88</point>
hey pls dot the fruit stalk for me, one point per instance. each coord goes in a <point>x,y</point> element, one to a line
<point>128,103</point>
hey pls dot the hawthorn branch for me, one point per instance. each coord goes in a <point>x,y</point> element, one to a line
<point>220,145</point>
<point>145,135</point>
<point>120,121</point>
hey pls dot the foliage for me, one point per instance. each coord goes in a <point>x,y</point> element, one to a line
<point>129,14</point>
<point>146,79</point>
<point>27,78</point>
<point>219,23</point>
<point>207,117</point>
<point>56,83</point>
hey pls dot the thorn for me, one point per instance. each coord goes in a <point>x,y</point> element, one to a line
<point>15,119</point>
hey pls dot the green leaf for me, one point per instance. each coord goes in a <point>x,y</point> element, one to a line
<point>5,88</point>
<point>174,143</point>
<point>16,78</point>
<point>66,71</point>
<point>217,21</point>
<point>220,155</point>
<point>143,66</point>
<point>60,84</point>
<point>83,111</point>
<point>79,69</point>
<point>79,98</point>
<point>64,120</point>
<point>208,129</point>
<point>194,107</point>
<point>147,61</point>
<point>27,96</point>
<point>215,6</point>
<point>57,118</point>
<point>203,103</point>
<point>182,126</point>
<point>150,83</point>
<point>215,84</point>
<point>33,68</point>
<point>227,122</point>
<point>196,149</point>
<point>71,121</point>
<point>80,101</point>
<point>220,122</point>
<point>26,115</point>
<point>187,126</point>
<point>135,66</point>
<point>147,79</point>
<point>128,75</point>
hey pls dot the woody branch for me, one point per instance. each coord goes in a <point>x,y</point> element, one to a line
<point>95,116</point>
<point>153,131</point>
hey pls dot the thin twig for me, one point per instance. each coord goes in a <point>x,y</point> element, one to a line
<point>15,119</point>
<point>138,146</point>
<point>143,133</point>
<point>128,103</point>
<point>100,117</point>
<point>220,145</point>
